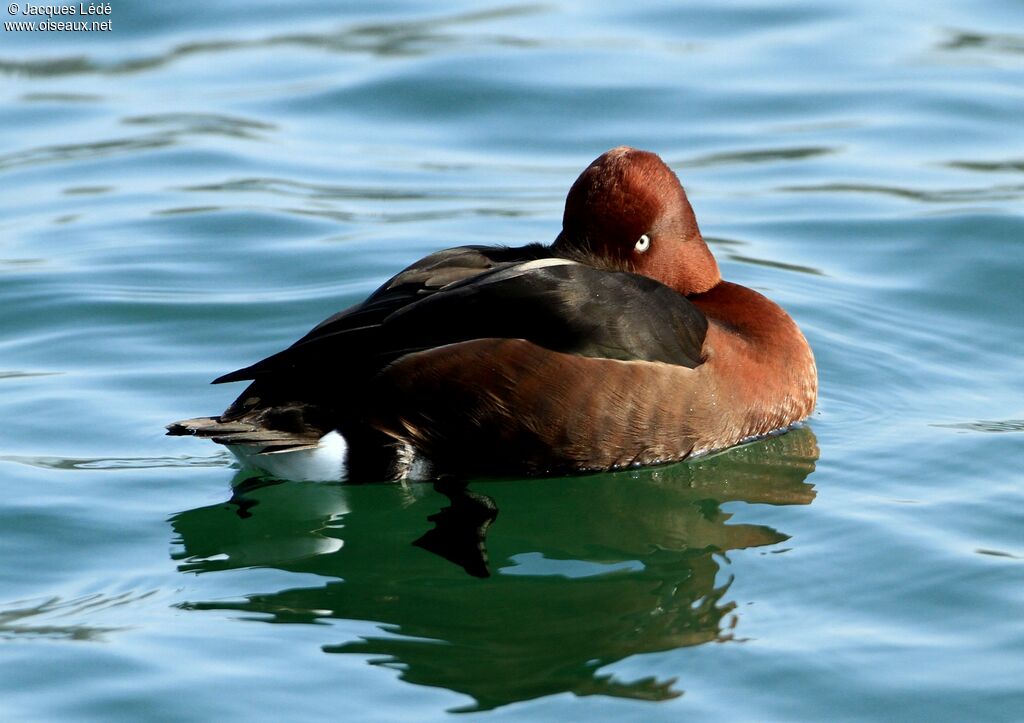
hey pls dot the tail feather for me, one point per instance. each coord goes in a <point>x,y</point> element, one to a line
<point>238,432</point>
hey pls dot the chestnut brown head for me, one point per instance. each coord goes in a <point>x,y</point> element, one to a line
<point>628,211</point>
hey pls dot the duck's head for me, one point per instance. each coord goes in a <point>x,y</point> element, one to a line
<point>628,211</point>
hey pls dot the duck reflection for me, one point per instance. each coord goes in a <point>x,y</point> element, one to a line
<point>580,572</point>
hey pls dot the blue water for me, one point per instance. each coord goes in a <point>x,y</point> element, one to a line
<point>192,190</point>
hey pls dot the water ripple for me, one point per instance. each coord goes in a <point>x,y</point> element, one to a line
<point>998,553</point>
<point>405,38</point>
<point>177,126</point>
<point>777,265</point>
<point>19,264</point>
<point>62,153</point>
<point>87,190</point>
<point>759,155</point>
<point>984,425</point>
<point>1009,165</point>
<point>1002,43</point>
<point>112,463</point>
<point>954,195</point>
<point>203,123</point>
<point>62,98</point>
<point>23,375</point>
<point>301,189</point>
<point>15,615</point>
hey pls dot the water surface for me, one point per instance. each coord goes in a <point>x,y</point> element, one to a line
<point>194,189</point>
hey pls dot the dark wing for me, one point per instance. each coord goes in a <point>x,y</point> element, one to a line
<point>560,305</point>
<point>425,277</point>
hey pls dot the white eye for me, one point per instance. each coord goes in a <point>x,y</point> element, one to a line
<point>643,244</point>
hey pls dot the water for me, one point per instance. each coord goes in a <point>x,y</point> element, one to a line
<point>188,192</point>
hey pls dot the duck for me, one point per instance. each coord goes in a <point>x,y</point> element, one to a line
<point>617,345</point>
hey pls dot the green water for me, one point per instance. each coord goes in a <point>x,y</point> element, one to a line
<point>192,190</point>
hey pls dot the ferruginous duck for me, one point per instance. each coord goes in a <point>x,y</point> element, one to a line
<point>617,345</point>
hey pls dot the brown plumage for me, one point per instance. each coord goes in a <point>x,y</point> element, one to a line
<point>617,345</point>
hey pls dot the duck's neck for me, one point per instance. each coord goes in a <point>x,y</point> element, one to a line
<point>744,311</point>
<point>772,364</point>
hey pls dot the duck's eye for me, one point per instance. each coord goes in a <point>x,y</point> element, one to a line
<point>643,244</point>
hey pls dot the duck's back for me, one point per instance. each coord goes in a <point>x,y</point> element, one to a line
<point>342,374</point>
